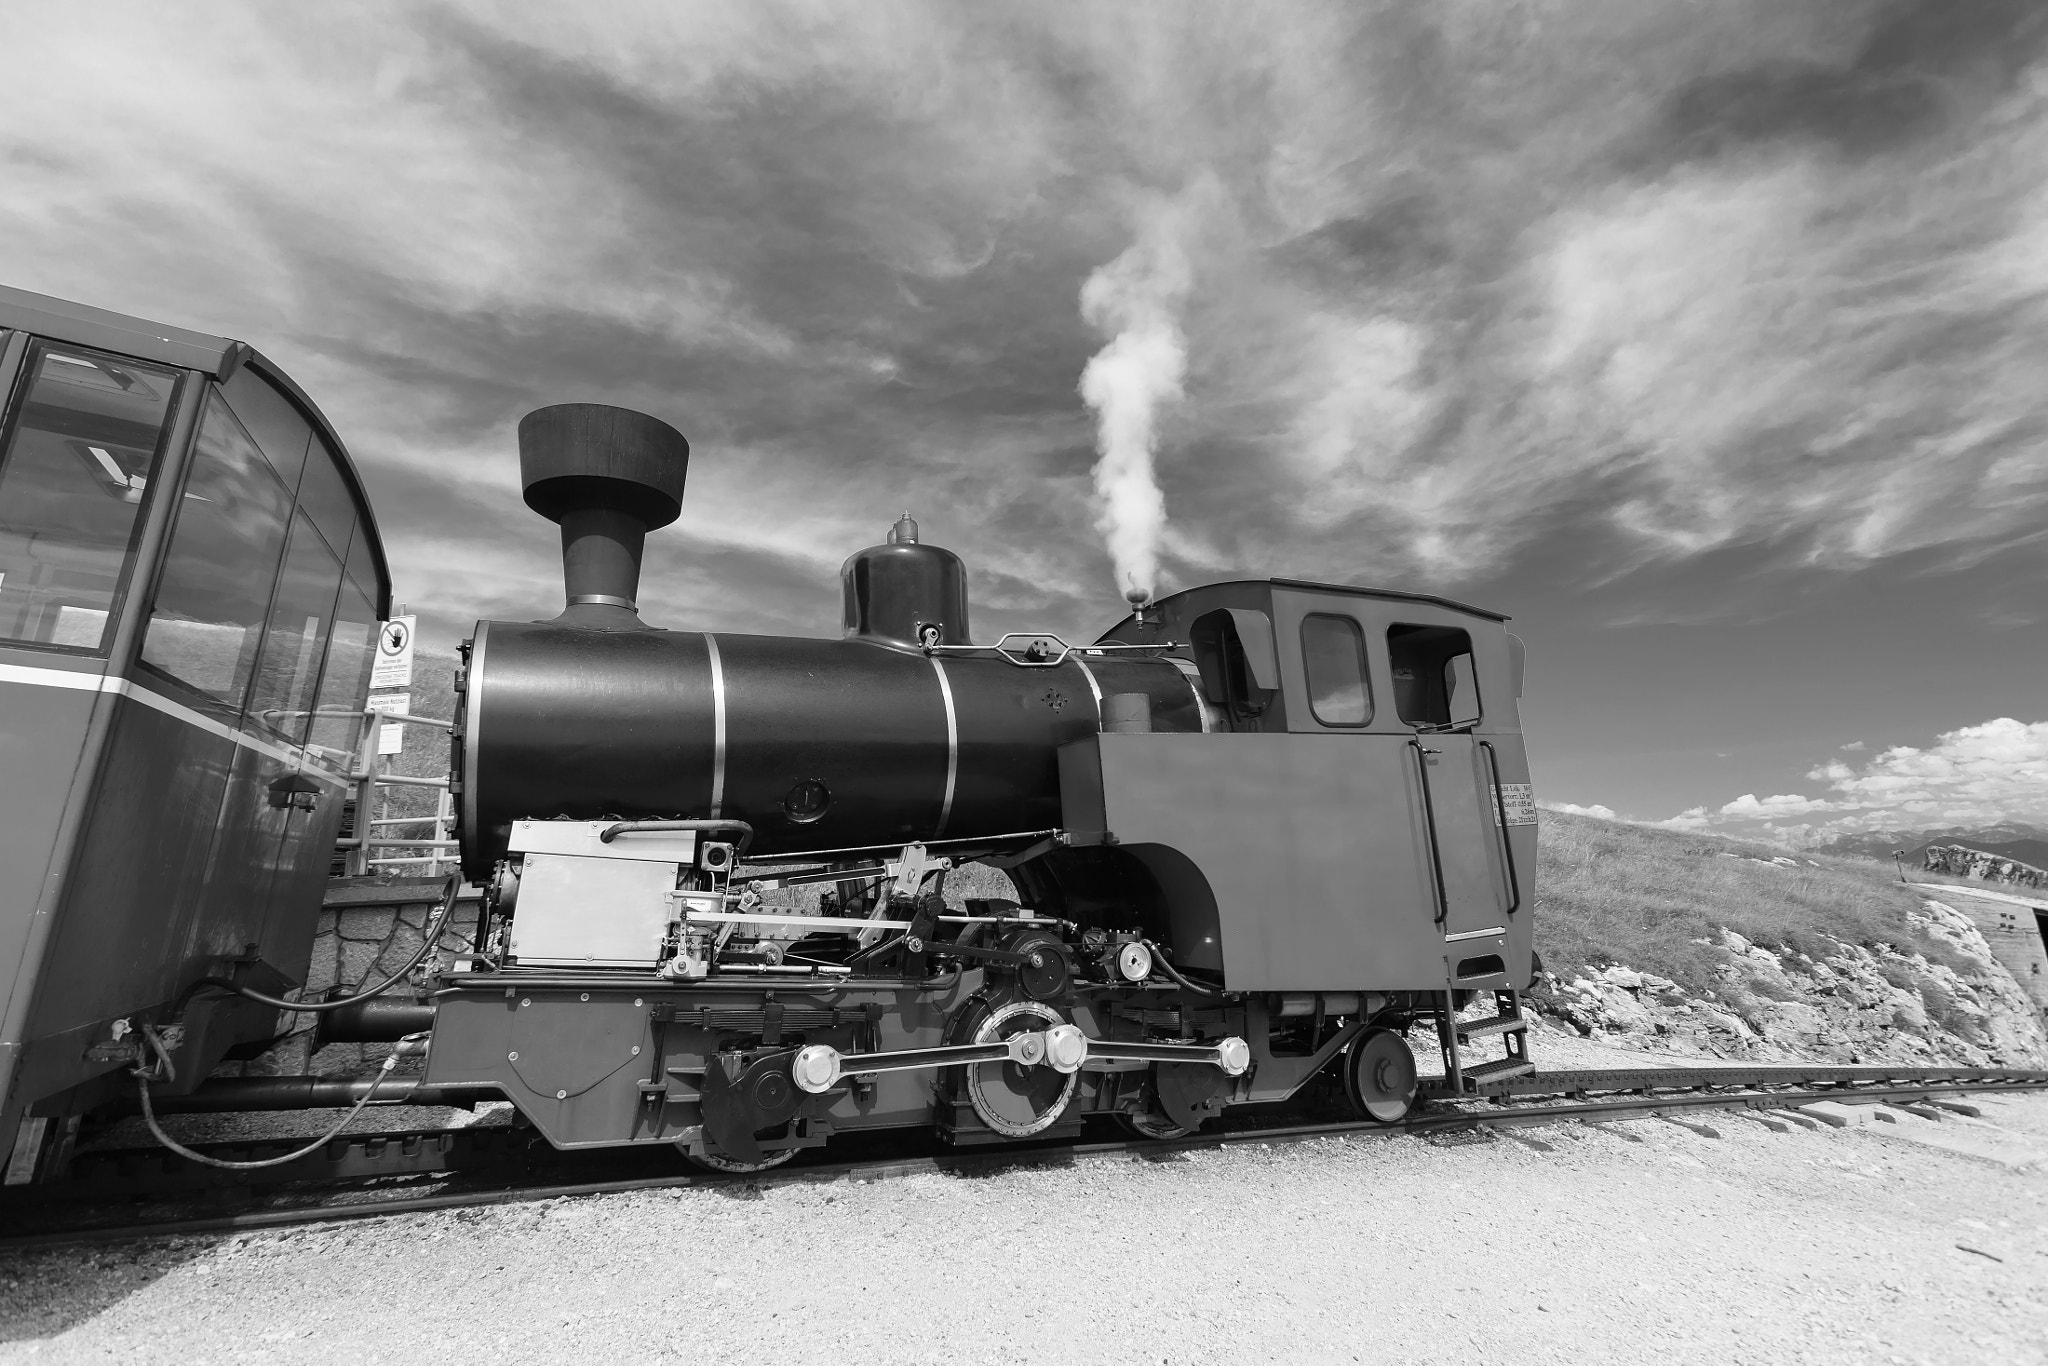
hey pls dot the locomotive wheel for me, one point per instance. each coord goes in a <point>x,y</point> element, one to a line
<point>1379,1076</point>
<point>718,1162</point>
<point>1012,1099</point>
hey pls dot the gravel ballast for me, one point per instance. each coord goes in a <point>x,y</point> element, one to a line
<point>1639,1240</point>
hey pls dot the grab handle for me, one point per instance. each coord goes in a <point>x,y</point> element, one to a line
<point>1436,862</point>
<point>1500,815</point>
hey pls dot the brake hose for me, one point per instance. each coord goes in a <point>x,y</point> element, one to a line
<point>431,937</point>
<point>1159,958</point>
<point>171,1074</point>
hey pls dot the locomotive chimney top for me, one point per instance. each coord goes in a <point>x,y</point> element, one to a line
<point>608,476</point>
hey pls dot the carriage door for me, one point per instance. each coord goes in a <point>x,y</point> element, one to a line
<point>1436,692</point>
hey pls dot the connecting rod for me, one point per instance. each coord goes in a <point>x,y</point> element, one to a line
<point>1064,1048</point>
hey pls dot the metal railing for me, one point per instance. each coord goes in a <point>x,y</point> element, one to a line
<point>367,775</point>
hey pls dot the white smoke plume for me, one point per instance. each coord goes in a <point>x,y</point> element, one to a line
<point>1136,301</point>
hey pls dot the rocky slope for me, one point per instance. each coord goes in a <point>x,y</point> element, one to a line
<point>1777,963</point>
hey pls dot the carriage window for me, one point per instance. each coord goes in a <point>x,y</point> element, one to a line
<point>222,563</point>
<point>1333,649</point>
<point>324,496</point>
<point>347,679</point>
<point>1434,680</point>
<point>73,474</point>
<point>296,641</point>
<point>271,421</point>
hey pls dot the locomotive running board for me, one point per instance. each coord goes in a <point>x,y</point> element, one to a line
<point>1064,1048</point>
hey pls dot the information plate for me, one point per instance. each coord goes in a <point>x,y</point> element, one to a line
<point>1517,801</point>
<point>391,739</point>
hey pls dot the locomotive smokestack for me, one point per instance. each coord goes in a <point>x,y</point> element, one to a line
<point>608,476</point>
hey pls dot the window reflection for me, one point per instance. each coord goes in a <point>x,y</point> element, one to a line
<point>349,656</point>
<point>73,474</point>
<point>215,590</point>
<point>296,642</point>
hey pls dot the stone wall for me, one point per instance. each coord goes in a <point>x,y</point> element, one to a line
<point>1961,861</point>
<point>368,928</point>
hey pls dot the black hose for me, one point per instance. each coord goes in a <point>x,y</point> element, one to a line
<point>170,1069</point>
<point>427,942</point>
<point>1159,957</point>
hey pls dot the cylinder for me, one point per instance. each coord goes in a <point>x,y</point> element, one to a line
<point>381,1019</point>
<point>818,744</point>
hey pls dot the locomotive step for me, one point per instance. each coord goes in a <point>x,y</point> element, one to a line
<point>1498,1071</point>
<point>1496,1024</point>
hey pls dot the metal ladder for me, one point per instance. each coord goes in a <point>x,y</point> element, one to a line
<point>1506,1023</point>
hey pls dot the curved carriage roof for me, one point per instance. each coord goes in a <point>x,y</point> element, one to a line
<point>220,357</point>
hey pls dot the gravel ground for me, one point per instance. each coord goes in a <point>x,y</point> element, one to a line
<point>1632,1241</point>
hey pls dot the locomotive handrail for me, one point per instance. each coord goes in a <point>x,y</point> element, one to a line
<point>746,831</point>
<point>1035,656</point>
<point>1507,845</point>
<point>1436,859</point>
<point>990,840</point>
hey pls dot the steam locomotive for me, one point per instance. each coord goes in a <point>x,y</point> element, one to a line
<point>1252,834</point>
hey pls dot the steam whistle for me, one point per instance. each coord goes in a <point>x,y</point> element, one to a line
<point>1142,610</point>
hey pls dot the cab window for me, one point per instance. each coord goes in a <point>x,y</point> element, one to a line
<point>1435,683</point>
<point>1333,656</point>
<point>215,592</point>
<point>75,466</point>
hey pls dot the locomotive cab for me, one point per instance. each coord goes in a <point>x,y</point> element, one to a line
<point>1360,814</point>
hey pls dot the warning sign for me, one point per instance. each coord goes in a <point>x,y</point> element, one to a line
<point>1517,801</point>
<point>393,668</point>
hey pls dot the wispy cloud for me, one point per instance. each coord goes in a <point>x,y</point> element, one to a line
<point>1666,281</point>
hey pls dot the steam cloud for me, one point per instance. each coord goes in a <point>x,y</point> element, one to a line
<point>1136,300</point>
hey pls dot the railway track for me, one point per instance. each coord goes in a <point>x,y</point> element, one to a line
<point>377,1175</point>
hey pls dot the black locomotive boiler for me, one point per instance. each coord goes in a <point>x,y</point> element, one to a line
<point>1256,831</point>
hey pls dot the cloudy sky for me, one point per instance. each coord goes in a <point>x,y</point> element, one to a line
<point>1707,340</point>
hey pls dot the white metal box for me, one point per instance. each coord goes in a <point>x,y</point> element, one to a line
<point>584,903</point>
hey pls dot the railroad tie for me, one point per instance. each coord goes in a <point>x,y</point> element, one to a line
<point>1705,1131</point>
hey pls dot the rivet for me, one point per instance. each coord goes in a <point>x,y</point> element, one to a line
<point>561,1095</point>
<point>636,1050</point>
<point>586,995</point>
<point>512,1057</point>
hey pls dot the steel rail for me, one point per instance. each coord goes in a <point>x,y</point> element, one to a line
<point>1692,1089</point>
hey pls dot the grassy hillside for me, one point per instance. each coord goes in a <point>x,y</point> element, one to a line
<point>1607,893</point>
<point>1679,942</point>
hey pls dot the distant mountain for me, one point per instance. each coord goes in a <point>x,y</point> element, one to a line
<point>2026,843</point>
